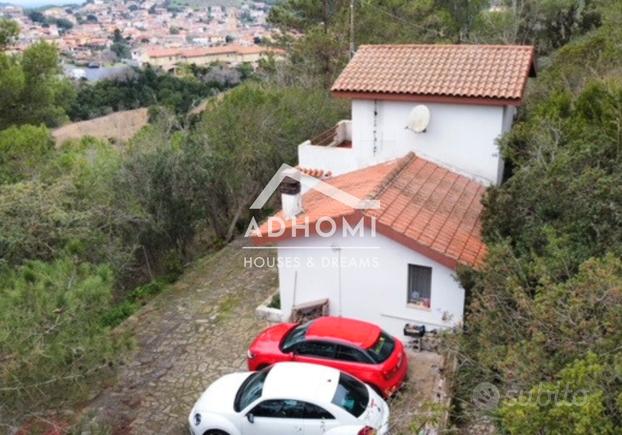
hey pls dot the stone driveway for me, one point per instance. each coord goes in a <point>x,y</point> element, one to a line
<point>185,339</point>
<point>198,331</point>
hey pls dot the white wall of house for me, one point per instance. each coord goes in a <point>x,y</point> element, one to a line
<point>365,278</point>
<point>460,137</point>
<point>337,160</point>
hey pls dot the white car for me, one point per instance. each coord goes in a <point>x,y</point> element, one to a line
<point>289,398</point>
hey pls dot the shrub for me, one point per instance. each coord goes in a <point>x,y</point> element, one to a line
<point>52,342</point>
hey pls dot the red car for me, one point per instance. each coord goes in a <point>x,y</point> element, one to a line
<point>355,347</point>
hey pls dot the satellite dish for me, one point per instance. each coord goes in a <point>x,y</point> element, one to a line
<point>418,119</point>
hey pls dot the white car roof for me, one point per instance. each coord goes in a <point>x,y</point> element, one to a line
<point>303,381</point>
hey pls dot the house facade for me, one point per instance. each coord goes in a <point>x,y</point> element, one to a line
<point>470,92</point>
<point>421,146</point>
<point>169,59</point>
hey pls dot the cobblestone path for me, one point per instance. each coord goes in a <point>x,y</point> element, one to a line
<point>185,339</point>
<point>200,330</point>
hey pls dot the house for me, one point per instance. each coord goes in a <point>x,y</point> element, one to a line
<point>394,262</point>
<point>234,54</point>
<point>470,92</point>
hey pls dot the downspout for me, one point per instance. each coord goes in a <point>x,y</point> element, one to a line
<point>375,129</point>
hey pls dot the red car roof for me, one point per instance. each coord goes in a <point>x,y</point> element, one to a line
<point>355,332</point>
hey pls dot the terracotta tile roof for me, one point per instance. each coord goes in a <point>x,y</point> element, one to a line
<point>457,71</point>
<point>313,172</point>
<point>424,206</point>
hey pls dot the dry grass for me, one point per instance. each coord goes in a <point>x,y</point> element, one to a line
<point>118,126</point>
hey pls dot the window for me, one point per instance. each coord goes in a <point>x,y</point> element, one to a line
<point>314,412</point>
<point>280,409</point>
<point>351,395</point>
<point>419,285</point>
<point>295,336</point>
<point>317,349</point>
<point>251,389</point>
<point>347,353</point>
<point>382,348</point>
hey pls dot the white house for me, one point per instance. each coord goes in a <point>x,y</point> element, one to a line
<point>470,92</point>
<point>425,171</point>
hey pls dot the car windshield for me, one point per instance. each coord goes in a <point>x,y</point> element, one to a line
<point>351,395</point>
<point>382,349</point>
<point>251,389</point>
<point>295,336</point>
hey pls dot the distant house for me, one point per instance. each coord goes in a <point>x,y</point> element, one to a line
<point>422,143</point>
<point>234,54</point>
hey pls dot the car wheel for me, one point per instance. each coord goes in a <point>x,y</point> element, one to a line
<point>215,432</point>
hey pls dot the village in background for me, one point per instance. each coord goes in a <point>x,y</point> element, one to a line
<point>102,39</point>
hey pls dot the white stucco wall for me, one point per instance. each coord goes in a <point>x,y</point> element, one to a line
<point>373,280</point>
<point>460,137</point>
<point>336,160</point>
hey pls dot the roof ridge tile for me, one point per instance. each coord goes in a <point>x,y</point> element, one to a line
<point>386,181</point>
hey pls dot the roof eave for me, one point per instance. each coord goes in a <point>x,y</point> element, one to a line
<point>442,99</point>
<point>385,230</point>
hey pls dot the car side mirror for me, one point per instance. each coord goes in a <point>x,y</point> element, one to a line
<point>250,417</point>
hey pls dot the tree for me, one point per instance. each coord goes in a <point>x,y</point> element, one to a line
<point>64,24</point>
<point>576,402</point>
<point>52,343</point>
<point>119,46</point>
<point>544,311</point>
<point>22,151</point>
<point>9,31</point>
<point>140,88</point>
<point>37,17</point>
<point>31,89</point>
<point>547,24</point>
<point>242,160</point>
<point>316,57</point>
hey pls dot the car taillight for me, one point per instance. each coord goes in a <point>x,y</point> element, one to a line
<point>367,430</point>
<point>249,354</point>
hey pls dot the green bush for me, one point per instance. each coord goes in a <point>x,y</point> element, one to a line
<point>142,88</point>
<point>136,298</point>
<point>548,296</point>
<point>52,343</point>
<point>23,150</point>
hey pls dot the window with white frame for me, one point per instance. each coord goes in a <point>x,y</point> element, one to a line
<point>419,285</point>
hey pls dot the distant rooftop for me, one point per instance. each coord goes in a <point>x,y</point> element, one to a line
<point>486,73</point>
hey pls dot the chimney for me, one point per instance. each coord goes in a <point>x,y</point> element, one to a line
<point>291,198</point>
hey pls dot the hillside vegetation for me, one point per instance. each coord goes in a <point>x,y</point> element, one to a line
<point>89,231</point>
<point>543,325</point>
